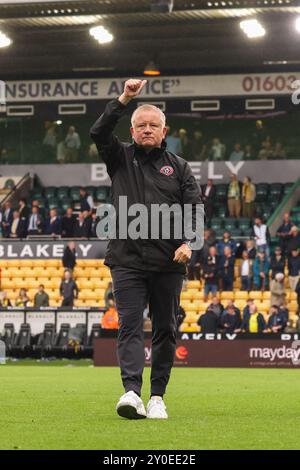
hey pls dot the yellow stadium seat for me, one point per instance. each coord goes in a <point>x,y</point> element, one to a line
<point>227,295</point>
<point>32,283</point>
<point>193,284</point>
<point>7,283</point>
<point>186,295</point>
<point>203,307</point>
<point>191,317</point>
<point>54,263</point>
<point>241,295</point>
<point>97,272</point>
<point>293,295</point>
<point>199,295</point>
<point>293,305</point>
<point>19,283</point>
<point>13,263</point>
<point>25,263</point>
<point>255,295</point>
<point>193,328</point>
<point>100,293</point>
<point>241,304</point>
<point>3,263</point>
<point>84,283</point>
<point>189,306</point>
<point>81,272</point>
<point>266,295</point>
<point>263,306</point>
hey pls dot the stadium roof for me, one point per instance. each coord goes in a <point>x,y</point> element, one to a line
<point>52,37</point>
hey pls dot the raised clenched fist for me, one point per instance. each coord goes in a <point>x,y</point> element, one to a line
<point>132,88</point>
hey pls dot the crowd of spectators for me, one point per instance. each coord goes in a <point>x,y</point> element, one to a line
<point>21,221</point>
<point>194,146</point>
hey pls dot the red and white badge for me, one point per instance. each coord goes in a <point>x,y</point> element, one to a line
<point>166,170</point>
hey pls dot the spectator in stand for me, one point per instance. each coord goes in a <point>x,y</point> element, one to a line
<point>4,300</point>
<point>208,322</point>
<point>276,322</point>
<point>294,242</point>
<point>41,298</point>
<point>69,256</point>
<point>68,224</point>
<point>23,210</point>
<point>50,141</point>
<point>110,319</point>
<point>173,141</point>
<point>4,157</point>
<point>216,306</point>
<point>284,232</point>
<point>237,154</point>
<point>22,300</point>
<point>7,218</point>
<point>279,151</point>
<point>94,222</point>
<point>248,198</point>
<point>234,197</point>
<point>294,268</point>
<point>231,320</point>
<point>246,271</point>
<point>53,224</point>
<point>217,150</point>
<point>231,304</point>
<point>208,197</point>
<point>227,241</point>
<point>199,256</point>
<point>72,145</point>
<point>185,144</point>
<point>249,154</point>
<point>109,295</point>
<point>86,200</point>
<point>250,248</point>
<point>226,269</point>
<point>261,268</point>
<point>210,273</point>
<point>82,226</point>
<point>254,322</point>
<point>277,290</point>
<point>68,289</point>
<point>261,235</point>
<point>18,227</point>
<point>277,263</point>
<point>35,222</point>
<point>199,148</point>
<point>266,151</point>
<point>246,310</point>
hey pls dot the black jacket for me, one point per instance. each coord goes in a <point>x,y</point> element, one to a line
<point>141,178</point>
<point>69,258</point>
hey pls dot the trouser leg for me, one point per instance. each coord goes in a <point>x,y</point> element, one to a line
<point>131,296</point>
<point>164,303</point>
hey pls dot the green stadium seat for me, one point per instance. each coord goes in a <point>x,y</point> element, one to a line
<point>220,211</point>
<point>102,194</point>
<point>236,232</point>
<point>230,224</point>
<point>216,223</point>
<point>66,203</point>
<point>75,193</point>
<point>244,223</point>
<point>262,190</point>
<point>50,192</point>
<point>275,190</point>
<point>37,193</point>
<point>221,192</point>
<point>53,203</point>
<point>287,188</point>
<point>91,190</point>
<point>62,192</point>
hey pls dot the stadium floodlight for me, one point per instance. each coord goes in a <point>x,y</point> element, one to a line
<point>252,28</point>
<point>101,34</point>
<point>5,41</point>
<point>297,24</point>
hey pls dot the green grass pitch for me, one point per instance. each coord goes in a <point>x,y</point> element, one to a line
<point>71,405</point>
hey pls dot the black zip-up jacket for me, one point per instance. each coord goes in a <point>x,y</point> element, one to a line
<point>143,179</point>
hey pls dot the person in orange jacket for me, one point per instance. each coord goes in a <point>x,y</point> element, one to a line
<point>110,319</point>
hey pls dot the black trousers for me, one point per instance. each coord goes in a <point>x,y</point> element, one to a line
<point>133,290</point>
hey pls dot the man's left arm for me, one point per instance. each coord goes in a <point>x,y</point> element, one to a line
<point>191,195</point>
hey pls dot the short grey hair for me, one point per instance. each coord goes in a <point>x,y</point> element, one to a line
<point>148,107</point>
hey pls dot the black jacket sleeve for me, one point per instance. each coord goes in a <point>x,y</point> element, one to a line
<point>109,146</point>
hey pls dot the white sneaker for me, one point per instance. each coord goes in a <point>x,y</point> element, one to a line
<point>131,406</point>
<point>156,409</point>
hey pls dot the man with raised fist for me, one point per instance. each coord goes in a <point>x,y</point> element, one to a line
<point>145,270</point>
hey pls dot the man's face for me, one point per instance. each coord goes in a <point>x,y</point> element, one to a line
<point>148,130</point>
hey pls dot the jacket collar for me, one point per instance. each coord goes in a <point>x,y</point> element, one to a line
<point>154,154</point>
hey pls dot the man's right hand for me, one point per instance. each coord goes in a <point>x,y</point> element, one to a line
<point>132,88</point>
